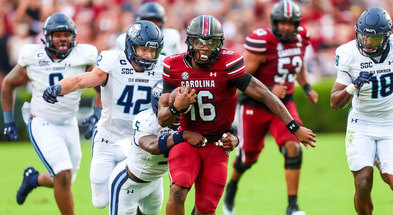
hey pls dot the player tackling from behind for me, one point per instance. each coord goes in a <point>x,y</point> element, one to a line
<point>365,77</point>
<point>212,76</point>
<point>53,129</point>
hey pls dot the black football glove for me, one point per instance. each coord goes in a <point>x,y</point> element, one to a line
<point>51,93</point>
<point>364,77</point>
<point>10,131</point>
<point>91,122</point>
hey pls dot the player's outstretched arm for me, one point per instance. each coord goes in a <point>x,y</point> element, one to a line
<point>259,91</point>
<point>165,142</point>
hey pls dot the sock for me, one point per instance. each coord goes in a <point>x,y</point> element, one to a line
<point>33,180</point>
<point>292,201</point>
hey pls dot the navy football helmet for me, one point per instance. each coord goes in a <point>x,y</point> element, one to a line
<point>373,29</point>
<point>286,11</point>
<point>204,33</point>
<point>143,33</point>
<point>152,11</point>
<point>155,95</point>
<point>55,23</point>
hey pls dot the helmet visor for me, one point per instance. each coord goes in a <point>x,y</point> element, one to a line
<point>370,42</point>
<point>199,43</point>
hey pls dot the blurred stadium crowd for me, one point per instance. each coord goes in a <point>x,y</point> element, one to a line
<point>99,22</point>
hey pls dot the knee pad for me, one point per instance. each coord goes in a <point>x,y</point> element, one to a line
<point>292,162</point>
<point>239,166</point>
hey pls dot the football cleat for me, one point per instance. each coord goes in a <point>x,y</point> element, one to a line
<point>228,206</point>
<point>26,186</point>
<point>295,211</point>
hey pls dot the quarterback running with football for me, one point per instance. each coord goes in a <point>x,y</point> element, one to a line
<point>212,76</point>
<point>137,183</point>
<point>53,129</point>
<point>365,77</point>
<point>126,79</point>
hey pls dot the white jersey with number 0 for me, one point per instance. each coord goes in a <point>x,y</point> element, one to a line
<point>44,72</point>
<point>125,93</point>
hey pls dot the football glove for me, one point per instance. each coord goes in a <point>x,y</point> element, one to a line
<point>10,131</point>
<point>91,122</point>
<point>364,77</point>
<point>51,93</point>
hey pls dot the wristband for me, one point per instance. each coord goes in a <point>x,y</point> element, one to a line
<point>293,126</point>
<point>173,110</point>
<point>162,146</point>
<point>178,137</point>
<point>238,141</point>
<point>8,117</point>
<point>351,89</point>
<point>307,88</point>
<point>97,112</point>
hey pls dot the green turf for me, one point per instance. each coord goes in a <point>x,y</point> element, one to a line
<point>326,186</point>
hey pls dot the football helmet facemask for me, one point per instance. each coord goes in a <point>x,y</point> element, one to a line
<point>373,29</point>
<point>204,34</point>
<point>147,34</point>
<point>59,22</point>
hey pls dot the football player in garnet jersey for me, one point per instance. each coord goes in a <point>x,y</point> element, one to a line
<point>365,77</point>
<point>213,74</point>
<point>275,56</point>
<point>53,129</point>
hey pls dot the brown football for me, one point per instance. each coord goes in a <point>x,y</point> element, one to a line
<point>172,98</point>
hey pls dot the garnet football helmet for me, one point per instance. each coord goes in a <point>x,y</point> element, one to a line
<point>373,29</point>
<point>56,23</point>
<point>286,11</point>
<point>143,33</point>
<point>152,11</point>
<point>204,33</point>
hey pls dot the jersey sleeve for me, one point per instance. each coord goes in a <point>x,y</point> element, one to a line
<point>342,64</point>
<point>256,41</point>
<point>106,59</point>
<point>143,124</point>
<point>234,63</point>
<point>90,53</point>
<point>26,54</point>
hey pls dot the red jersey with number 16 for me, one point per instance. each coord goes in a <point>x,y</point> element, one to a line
<point>214,110</point>
<point>283,60</point>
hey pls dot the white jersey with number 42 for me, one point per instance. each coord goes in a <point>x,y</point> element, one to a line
<point>125,93</point>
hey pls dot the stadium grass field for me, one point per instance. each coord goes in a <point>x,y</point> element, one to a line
<point>326,186</point>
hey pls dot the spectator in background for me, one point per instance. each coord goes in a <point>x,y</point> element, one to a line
<point>53,129</point>
<point>275,56</point>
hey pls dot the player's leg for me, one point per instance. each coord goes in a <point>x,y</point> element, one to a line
<point>63,180</point>
<point>184,166</point>
<point>361,149</point>
<point>101,166</point>
<point>385,151</point>
<point>292,152</point>
<point>50,143</point>
<point>210,183</point>
<point>153,192</point>
<point>252,127</point>
<point>124,193</point>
